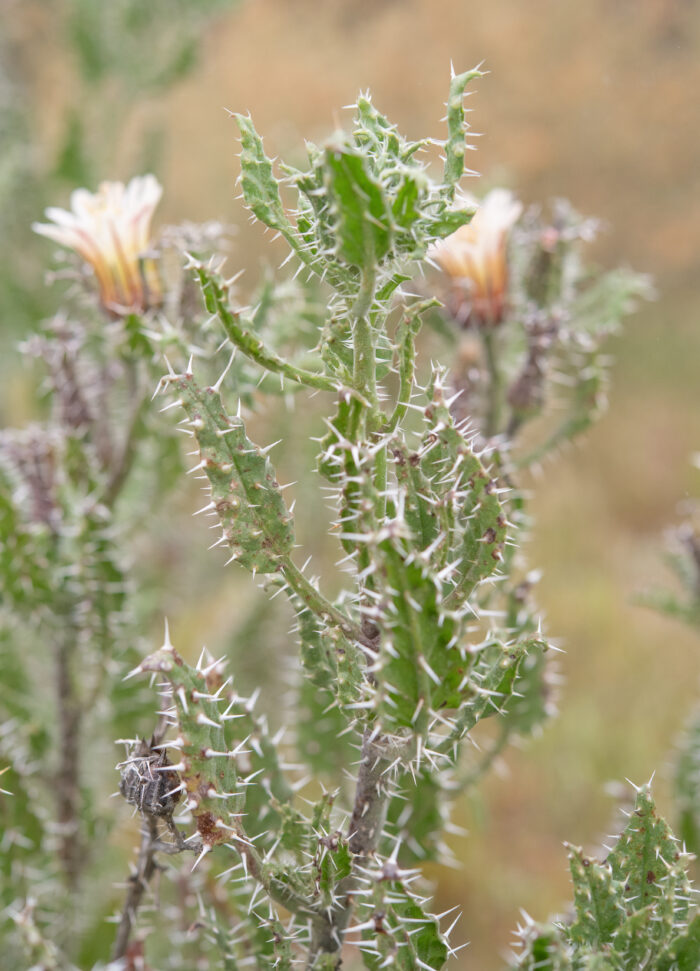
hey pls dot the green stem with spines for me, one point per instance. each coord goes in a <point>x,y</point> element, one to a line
<point>316,601</point>
<point>249,344</point>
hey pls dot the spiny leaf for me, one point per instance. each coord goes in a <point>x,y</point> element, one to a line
<point>405,936</point>
<point>260,187</point>
<point>208,771</point>
<point>455,145</point>
<point>599,909</point>
<point>359,210</point>
<point>245,493</point>
<point>645,854</point>
<point>683,954</point>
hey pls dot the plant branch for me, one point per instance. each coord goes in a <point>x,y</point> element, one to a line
<point>252,346</point>
<point>322,607</point>
<point>365,828</point>
<point>138,882</point>
<point>120,470</point>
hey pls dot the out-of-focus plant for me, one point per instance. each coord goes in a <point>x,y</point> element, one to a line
<point>306,844</point>
<point>535,319</point>
<point>112,55</point>
<point>683,560</point>
<point>633,910</point>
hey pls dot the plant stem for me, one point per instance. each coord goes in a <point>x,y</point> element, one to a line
<point>495,389</point>
<point>68,773</point>
<point>316,602</point>
<point>122,467</point>
<point>138,882</point>
<point>365,827</point>
<point>254,348</point>
<point>364,359</point>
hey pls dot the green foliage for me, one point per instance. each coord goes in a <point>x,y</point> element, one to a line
<point>244,491</point>
<point>365,203</point>
<point>430,630</point>
<point>401,933</point>
<point>631,911</point>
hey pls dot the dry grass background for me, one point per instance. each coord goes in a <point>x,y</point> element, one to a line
<point>597,102</point>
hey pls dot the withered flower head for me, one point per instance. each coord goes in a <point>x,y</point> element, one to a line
<point>110,230</point>
<point>475,260</point>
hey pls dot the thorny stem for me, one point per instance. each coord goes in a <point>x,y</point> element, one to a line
<point>138,882</point>
<point>253,347</point>
<point>275,889</point>
<point>366,823</point>
<point>364,363</point>
<point>316,602</point>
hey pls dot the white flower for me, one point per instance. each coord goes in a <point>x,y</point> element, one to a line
<point>110,229</point>
<point>474,257</point>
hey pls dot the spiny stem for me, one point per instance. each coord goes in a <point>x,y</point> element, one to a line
<point>138,882</point>
<point>253,347</point>
<point>316,602</point>
<point>365,827</point>
<point>364,365</point>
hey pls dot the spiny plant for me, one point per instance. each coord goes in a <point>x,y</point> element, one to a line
<point>633,910</point>
<point>307,843</point>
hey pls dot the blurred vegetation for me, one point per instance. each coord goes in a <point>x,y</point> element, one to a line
<point>595,102</point>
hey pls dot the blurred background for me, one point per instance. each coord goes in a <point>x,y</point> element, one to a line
<point>597,102</point>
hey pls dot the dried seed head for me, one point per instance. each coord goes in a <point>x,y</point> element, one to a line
<point>146,782</point>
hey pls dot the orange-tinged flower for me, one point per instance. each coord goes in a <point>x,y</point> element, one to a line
<point>110,229</point>
<point>474,257</point>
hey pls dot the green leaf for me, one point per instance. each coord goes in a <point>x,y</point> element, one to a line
<point>361,218</point>
<point>597,900</point>
<point>406,937</point>
<point>455,145</point>
<point>421,668</point>
<point>683,953</point>
<point>207,769</point>
<point>245,493</point>
<point>260,188</point>
<point>645,855</point>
